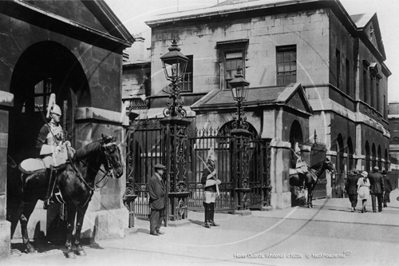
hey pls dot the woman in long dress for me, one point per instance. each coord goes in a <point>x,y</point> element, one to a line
<point>363,189</point>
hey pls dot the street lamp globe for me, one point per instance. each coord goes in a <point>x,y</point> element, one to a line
<point>239,86</point>
<point>174,63</point>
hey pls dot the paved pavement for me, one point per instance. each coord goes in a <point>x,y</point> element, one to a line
<point>328,234</point>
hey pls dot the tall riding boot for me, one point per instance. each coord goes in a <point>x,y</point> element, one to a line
<point>206,210</point>
<point>212,214</point>
<point>50,188</point>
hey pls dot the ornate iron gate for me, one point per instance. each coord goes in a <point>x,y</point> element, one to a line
<point>318,153</point>
<point>242,166</point>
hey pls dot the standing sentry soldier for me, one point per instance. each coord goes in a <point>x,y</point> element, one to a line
<point>210,182</point>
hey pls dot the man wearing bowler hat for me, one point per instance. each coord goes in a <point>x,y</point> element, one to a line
<point>157,191</point>
<point>376,188</point>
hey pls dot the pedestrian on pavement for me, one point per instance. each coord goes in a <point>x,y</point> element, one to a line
<point>387,186</point>
<point>376,188</point>
<point>363,189</point>
<point>351,188</point>
<point>210,182</point>
<point>157,191</point>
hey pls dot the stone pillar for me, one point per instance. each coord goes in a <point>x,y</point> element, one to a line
<point>359,161</point>
<point>279,171</point>
<point>332,156</point>
<point>6,102</point>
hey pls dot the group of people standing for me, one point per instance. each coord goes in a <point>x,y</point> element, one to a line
<point>362,185</point>
<point>157,192</point>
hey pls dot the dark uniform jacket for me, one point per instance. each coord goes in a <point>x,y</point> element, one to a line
<point>376,183</point>
<point>156,188</point>
<point>387,184</point>
<point>205,173</point>
<point>351,184</point>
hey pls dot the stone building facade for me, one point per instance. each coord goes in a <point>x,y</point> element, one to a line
<point>335,58</point>
<point>73,49</point>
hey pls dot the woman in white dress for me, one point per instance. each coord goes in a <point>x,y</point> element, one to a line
<point>363,189</point>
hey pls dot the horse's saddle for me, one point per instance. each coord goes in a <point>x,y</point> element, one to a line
<point>32,165</point>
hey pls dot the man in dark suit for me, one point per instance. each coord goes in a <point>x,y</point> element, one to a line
<point>351,188</point>
<point>388,187</point>
<point>157,191</point>
<point>376,188</point>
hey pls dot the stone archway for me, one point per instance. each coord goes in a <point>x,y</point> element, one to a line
<point>43,68</point>
<point>296,135</point>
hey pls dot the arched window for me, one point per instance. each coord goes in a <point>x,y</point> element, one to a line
<point>367,150</point>
<point>351,161</point>
<point>374,156</point>
<point>379,158</point>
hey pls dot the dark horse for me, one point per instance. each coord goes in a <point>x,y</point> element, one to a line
<point>311,178</point>
<point>76,182</point>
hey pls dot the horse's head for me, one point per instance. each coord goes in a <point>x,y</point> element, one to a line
<point>112,153</point>
<point>329,165</point>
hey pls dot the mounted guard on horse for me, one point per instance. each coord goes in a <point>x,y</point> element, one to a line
<point>54,150</point>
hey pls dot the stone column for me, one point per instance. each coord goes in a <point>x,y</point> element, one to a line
<point>6,102</point>
<point>332,156</point>
<point>279,171</point>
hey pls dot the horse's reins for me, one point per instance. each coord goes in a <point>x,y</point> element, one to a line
<point>106,174</point>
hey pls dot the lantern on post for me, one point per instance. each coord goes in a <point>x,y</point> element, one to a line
<point>239,90</point>
<point>174,64</point>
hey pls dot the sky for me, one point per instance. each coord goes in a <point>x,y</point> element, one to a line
<point>134,13</point>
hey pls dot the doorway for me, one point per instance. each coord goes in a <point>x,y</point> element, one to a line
<point>44,68</point>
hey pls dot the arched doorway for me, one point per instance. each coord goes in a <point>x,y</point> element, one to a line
<point>296,135</point>
<point>374,156</point>
<point>340,167</point>
<point>43,68</point>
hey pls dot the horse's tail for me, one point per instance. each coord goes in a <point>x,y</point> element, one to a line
<point>14,200</point>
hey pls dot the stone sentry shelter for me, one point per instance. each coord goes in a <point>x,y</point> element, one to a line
<point>73,49</point>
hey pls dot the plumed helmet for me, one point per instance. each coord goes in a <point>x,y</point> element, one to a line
<point>56,110</point>
<point>52,107</point>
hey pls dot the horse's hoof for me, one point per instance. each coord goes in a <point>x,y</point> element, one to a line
<point>80,252</point>
<point>30,249</point>
<point>70,255</point>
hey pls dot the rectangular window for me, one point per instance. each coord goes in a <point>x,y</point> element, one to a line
<point>338,70</point>
<point>286,65</point>
<point>377,91</point>
<point>41,94</point>
<point>232,60</point>
<point>231,55</point>
<point>365,91</point>
<point>347,77</point>
<point>187,83</point>
<point>372,98</point>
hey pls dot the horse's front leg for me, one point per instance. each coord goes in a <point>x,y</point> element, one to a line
<point>79,223</point>
<point>71,213</point>
<point>23,219</point>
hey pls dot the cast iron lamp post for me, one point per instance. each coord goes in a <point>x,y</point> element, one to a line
<point>239,90</point>
<point>174,64</point>
<point>175,123</point>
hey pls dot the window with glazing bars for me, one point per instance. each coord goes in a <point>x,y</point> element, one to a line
<point>187,83</point>
<point>286,65</point>
<point>233,60</point>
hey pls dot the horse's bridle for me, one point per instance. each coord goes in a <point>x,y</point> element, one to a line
<point>107,151</point>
